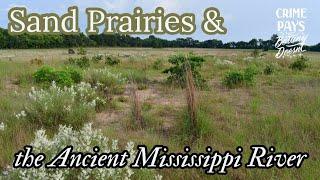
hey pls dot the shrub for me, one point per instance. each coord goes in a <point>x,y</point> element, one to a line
<point>63,78</point>
<point>249,75</point>
<point>82,62</point>
<point>82,51</point>
<point>71,106</point>
<point>299,64</point>
<point>104,79</point>
<point>66,77</point>
<point>109,60</point>
<point>269,69</point>
<point>235,79</point>
<point>44,74</point>
<point>82,141</point>
<point>76,75</point>
<point>178,70</point>
<point>97,58</point>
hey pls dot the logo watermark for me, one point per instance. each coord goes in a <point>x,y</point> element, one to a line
<point>291,31</point>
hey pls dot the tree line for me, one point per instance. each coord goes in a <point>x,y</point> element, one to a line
<point>27,41</point>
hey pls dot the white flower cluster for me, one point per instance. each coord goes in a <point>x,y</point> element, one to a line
<point>82,141</point>
<point>2,126</point>
<point>103,78</point>
<point>67,97</point>
<point>108,74</point>
<point>21,114</point>
<point>82,92</point>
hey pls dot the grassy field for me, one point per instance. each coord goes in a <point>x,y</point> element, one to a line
<point>280,108</point>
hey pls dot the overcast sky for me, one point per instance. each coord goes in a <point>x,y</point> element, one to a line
<point>244,19</point>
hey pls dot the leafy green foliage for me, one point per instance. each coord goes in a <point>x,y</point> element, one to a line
<point>249,75</point>
<point>234,79</point>
<point>269,69</point>
<point>82,51</point>
<point>82,62</point>
<point>177,72</point>
<point>299,64</point>
<point>97,58</point>
<point>109,60</point>
<point>76,75</point>
<point>66,77</point>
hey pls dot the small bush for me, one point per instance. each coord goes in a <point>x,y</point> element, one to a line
<point>66,77</point>
<point>236,79</point>
<point>269,69</point>
<point>97,58</point>
<point>299,64</point>
<point>70,106</point>
<point>63,78</point>
<point>109,60</point>
<point>76,75</point>
<point>105,80</point>
<point>82,51</point>
<point>178,70</point>
<point>249,75</point>
<point>44,74</point>
<point>82,62</point>
<point>233,79</point>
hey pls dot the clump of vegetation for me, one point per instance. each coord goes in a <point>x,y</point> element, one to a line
<point>82,62</point>
<point>299,64</point>
<point>249,75</point>
<point>269,69</point>
<point>234,79</point>
<point>158,64</point>
<point>37,61</point>
<point>66,77</point>
<point>76,75</point>
<point>177,72</point>
<point>97,58</point>
<point>107,81</point>
<point>71,51</point>
<point>70,106</point>
<point>82,51</point>
<point>111,61</point>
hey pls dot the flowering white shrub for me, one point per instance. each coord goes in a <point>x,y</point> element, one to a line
<point>104,78</point>
<point>82,141</point>
<point>56,105</point>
